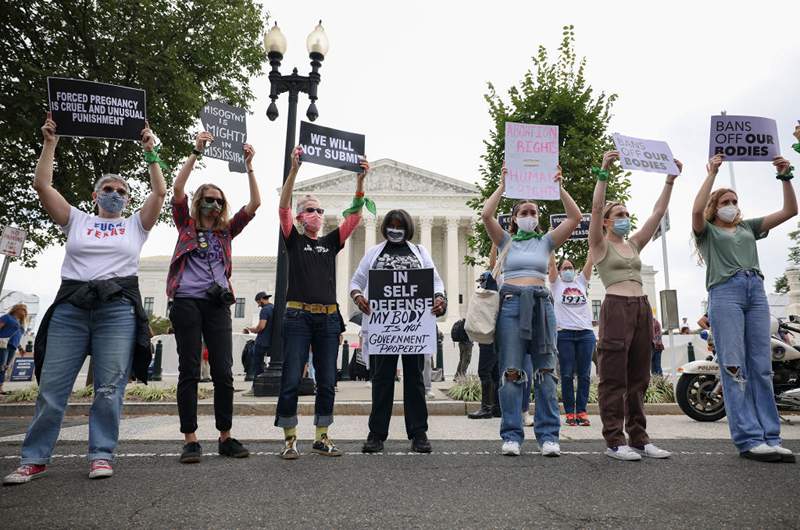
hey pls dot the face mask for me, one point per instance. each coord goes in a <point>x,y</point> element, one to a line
<point>622,227</point>
<point>396,235</point>
<point>111,202</point>
<point>527,224</point>
<point>210,209</point>
<point>312,222</point>
<point>728,213</point>
<point>568,275</point>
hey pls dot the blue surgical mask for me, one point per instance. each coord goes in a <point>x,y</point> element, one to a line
<point>568,275</point>
<point>112,202</point>
<point>622,226</point>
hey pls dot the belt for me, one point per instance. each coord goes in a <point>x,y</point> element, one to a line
<point>313,308</point>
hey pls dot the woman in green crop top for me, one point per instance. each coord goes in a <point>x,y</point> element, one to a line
<point>626,320</point>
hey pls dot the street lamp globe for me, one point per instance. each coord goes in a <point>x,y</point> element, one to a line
<point>317,41</point>
<point>275,41</point>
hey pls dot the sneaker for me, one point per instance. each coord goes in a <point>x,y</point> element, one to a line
<point>510,448</point>
<point>527,419</point>
<point>249,393</point>
<point>429,394</point>
<point>550,449</point>
<point>372,445</point>
<point>326,447</point>
<point>571,421</point>
<point>233,448</point>
<point>623,452</point>
<point>582,419</point>
<point>421,444</point>
<point>192,453</point>
<point>290,451</point>
<point>651,451</point>
<point>762,453</point>
<point>787,456</point>
<point>25,473</point>
<point>100,469</point>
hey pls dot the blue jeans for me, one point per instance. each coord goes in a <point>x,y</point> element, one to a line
<point>655,363</point>
<point>739,316</point>
<point>575,347</point>
<point>6,356</point>
<point>320,332</point>
<point>517,354</point>
<point>108,333</point>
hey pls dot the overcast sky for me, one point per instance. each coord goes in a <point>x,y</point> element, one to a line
<point>411,76</point>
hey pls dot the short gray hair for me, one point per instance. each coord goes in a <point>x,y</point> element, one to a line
<point>301,203</point>
<point>108,177</point>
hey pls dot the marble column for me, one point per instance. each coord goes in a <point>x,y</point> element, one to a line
<point>793,277</point>
<point>369,231</point>
<point>425,233</point>
<point>453,268</point>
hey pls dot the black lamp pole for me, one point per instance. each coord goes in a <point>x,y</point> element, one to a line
<point>269,382</point>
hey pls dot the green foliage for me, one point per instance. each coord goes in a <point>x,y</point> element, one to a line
<point>555,93</point>
<point>29,393</point>
<point>781,284</point>
<point>660,390</point>
<point>85,392</point>
<point>466,389</point>
<point>182,52</point>
<point>159,325</point>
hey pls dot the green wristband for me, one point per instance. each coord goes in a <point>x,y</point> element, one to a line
<point>601,174</point>
<point>796,147</point>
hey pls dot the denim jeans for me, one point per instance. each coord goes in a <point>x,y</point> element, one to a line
<point>514,355</point>
<point>655,363</point>
<point>739,315</point>
<point>320,332</point>
<point>6,356</point>
<point>108,333</point>
<point>575,347</point>
<point>259,353</point>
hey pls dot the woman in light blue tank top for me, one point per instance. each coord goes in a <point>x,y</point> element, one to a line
<point>526,325</point>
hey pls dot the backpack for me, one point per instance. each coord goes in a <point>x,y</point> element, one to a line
<point>458,333</point>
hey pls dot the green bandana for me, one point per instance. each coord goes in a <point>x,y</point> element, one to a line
<point>151,157</point>
<point>796,147</point>
<point>358,203</point>
<point>601,174</point>
<point>522,235</point>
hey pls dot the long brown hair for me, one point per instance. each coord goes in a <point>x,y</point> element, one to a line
<point>221,222</point>
<point>710,215</point>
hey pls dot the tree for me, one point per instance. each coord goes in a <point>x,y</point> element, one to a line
<point>781,282</point>
<point>556,93</point>
<point>159,325</point>
<point>182,52</point>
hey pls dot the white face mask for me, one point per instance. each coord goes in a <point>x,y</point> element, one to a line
<point>728,213</point>
<point>395,235</point>
<point>527,224</point>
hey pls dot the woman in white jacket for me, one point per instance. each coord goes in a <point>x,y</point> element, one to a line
<point>397,252</point>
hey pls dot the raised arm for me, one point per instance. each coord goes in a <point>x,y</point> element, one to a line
<point>53,202</point>
<point>493,228</point>
<point>643,236</point>
<point>158,187</point>
<point>285,202</point>
<point>701,199</point>
<point>565,229</point>
<point>597,240</point>
<point>255,196</point>
<point>179,186</point>
<point>789,209</point>
<point>353,219</point>
<point>552,269</point>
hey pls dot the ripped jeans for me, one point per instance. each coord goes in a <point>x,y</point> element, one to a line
<point>515,355</point>
<point>739,315</point>
<point>109,333</point>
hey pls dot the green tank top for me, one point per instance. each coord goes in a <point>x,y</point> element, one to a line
<point>616,268</point>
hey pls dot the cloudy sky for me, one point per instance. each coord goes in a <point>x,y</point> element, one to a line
<point>411,76</point>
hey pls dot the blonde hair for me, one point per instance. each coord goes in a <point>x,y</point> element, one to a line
<point>20,308</point>
<point>301,203</point>
<point>710,215</point>
<point>221,222</point>
<point>607,211</point>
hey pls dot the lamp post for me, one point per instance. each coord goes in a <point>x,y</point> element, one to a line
<point>269,382</point>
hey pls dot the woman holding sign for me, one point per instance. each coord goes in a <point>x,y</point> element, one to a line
<point>739,311</point>
<point>198,281</point>
<point>526,324</point>
<point>397,252</point>
<point>312,314</point>
<point>98,310</point>
<point>626,320</point>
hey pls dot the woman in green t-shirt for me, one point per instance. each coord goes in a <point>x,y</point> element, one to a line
<point>739,311</point>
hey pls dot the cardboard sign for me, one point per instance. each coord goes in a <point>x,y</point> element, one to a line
<point>400,321</point>
<point>12,241</point>
<point>229,126</point>
<point>531,153</point>
<point>645,155</point>
<point>96,110</point>
<point>581,232</point>
<point>744,138</point>
<point>22,370</point>
<point>332,148</point>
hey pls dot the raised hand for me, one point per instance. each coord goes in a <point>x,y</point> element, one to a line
<point>609,157</point>
<point>671,178</point>
<point>249,153</point>
<point>713,165</point>
<point>148,138</point>
<point>49,129</point>
<point>202,139</point>
<point>781,164</point>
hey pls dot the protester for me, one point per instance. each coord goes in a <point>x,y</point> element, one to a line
<point>465,345</point>
<point>576,338</point>
<point>658,347</point>
<point>684,329</point>
<point>526,324</point>
<point>199,284</point>
<point>12,327</point>
<point>738,310</point>
<point>264,331</point>
<point>312,314</point>
<point>626,321</point>
<point>97,308</point>
<point>397,252</point>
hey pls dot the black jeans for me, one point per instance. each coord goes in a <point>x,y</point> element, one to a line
<point>416,410</point>
<point>259,353</point>
<point>194,320</point>
<point>488,371</point>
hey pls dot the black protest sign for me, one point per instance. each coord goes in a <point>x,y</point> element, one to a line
<point>505,221</point>
<point>228,125</point>
<point>22,370</point>
<point>332,148</point>
<point>96,110</point>
<point>744,138</point>
<point>581,231</point>
<point>400,320</point>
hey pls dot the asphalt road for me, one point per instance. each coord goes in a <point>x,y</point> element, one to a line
<point>463,484</point>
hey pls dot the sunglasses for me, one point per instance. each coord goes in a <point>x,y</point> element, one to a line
<point>212,200</point>
<point>111,189</point>
<point>318,210</point>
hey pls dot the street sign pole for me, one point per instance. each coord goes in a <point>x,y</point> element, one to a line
<point>666,286</point>
<point>4,271</point>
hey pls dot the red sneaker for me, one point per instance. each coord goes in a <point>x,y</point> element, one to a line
<point>571,419</point>
<point>25,473</point>
<point>582,419</point>
<point>100,469</point>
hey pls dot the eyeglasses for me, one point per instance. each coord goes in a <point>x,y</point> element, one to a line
<point>318,210</point>
<point>212,200</point>
<point>112,189</point>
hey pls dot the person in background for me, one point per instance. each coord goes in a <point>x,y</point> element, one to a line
<point>684,330</point>
<point>12,327</point>
<point>465,345</point>
<point>205,366</point>
<point>658,347</point>
<point>264,331</point>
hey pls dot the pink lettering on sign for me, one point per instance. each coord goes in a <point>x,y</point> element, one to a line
<point>531,157</point>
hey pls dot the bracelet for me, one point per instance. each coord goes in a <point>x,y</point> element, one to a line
<point>198,154</point>
<point>786,177</point>
<point>601,174</point>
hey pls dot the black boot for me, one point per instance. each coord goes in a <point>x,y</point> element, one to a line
<point>487,395</point>
<point>496,405</point>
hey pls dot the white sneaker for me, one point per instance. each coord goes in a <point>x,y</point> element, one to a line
<point>787,456</point>
<point>527,419</point>
<point>510,448</point>
<point>430,395</point>
<point>623,452</point>
<point>651,451</point>
<point>550,449</point>
<point>764,449</point>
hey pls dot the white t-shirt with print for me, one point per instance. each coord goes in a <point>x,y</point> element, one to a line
<point>571,303</point>
<point>99,249</point>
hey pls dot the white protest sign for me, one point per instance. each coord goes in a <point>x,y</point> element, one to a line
<point>12,241</point>
<point>531,153</point>
<point>744,138</point>
<point>645,155</point>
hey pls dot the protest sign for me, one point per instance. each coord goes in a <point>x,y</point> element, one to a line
<point>645,155</point>
<point>228,125</point>
<point>332,148</point>
<point>96,110</point>
<point>531,153</point>
<point>580,232</point>
<point>744,138</point>
<point>505,221</point>
<point>12,241</point>
<point>400,320</point>
<point>22,370</point>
